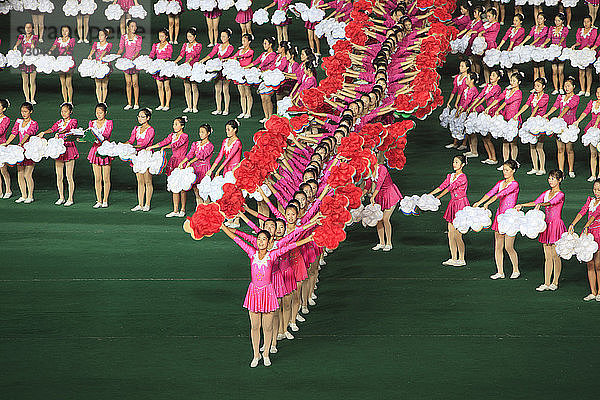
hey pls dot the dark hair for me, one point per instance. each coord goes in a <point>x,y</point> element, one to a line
<point>291,206</point>
<point>182,120</point>
<point>192,30</point>
<point>542,14</point>
<point>207,127</point>
<point>285,44</point>
<point>102,106</point>
<point>295,203</point>
<point>587,17</point>
<point>596,181</point>
<point>466,62</point>
<point>518,75</point>
<point>233,123</point>
<point>478,8</point>
<point>264,232</point>
<point>28,106</point>
<point>562,17</point>
<point>570,79</point>
<point>280,221</point>
<point>520,16</point>
<point>493,11</point>
<point>313,182</point>
<point>4,103</point>
<point>106,32</point>
<point>462,158</point>
<point>299,192</point>
<point>498,72</point>
<point>512,164</point>
<point>130,22</point>
<point>65,26</point>
<point>304,185</point>
<point>556,173</point>
<point>28,23</point>
<point>474,76</point>
<point>68,105</point>
<point>310,66</point>
<point>271,40</point>
<point>248,36</point>
<point>541,80</point>
<point>165,31</point>
<point>147,112</point>
<point>270,220</point>
<point>228,31</point>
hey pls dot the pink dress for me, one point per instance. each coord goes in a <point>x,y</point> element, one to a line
<point>126,4</point>
<point>131,49</point>
<point>469,94</point>
<point>562,102</point>
<point>105,131</point>
<point>283,5</point>
<point>489,93</point>
<point>592,210</point>
<point>230,154</point>
<point>243,17</point>
<point>288,84</point>
<point>4,125</point>
<point>507,197</point>
<point>514,36</point>
<point>142,139</point>
<point>71,153</point>
<point>586,39</point>
<point>477,26</point>
<point>261,297</point>
<point>538,36</point>
<point>388,194</point>
<point>161,54</point>
<point>592,108</point>
<point>179,147</point>
<point>462,22</point>
<point>265,61</point>
<point>457,186</point>
<point>555,226</point>
<point>65,48</point>
<point>23,132</point>
<point>223,53</point>
<point>100,51</point>
<point>541,103</point>
<point>558,36</point>
<point>203,153</point>
<point>490,33</point>
<point>245,59</point>
<point>27,46</point>
<point>191,54</point>
<point>281,63</point>
<point>458,84</point>
<point>215,13</point>
<point>513,104</point>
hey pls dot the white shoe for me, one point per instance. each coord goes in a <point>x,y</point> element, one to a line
<point>80,41</point>
<point>587,94</point>
<point>581,93</point>
<point>553,287</point>
<point>104,205</point>
<point>68,203</point>
<point>159,108</point>
<point>322,262</point>
<point>97,205</point>
<point>181,214</point>
<point>571,174</point>
<point>288,335</point>
<point>378,247</point>
<point>7,195</point>
<point>460,263</point>
<point>561,91</point>
<point>387,247</point>
<point>294,327</point>
<point>225,113</point>
<point>449,262</point>
<point>300,318</point>
<point>273,350</point>
<point>85,41</point>
<point>590,179</point>
<point>136,107</point>
<point>542,288</point>
<point>187,110</point>
<point>541,172</point>
<point>280,336</point>
<point>598,298</point>
<point>20,200</point>
<point>461,147</point>
<point>216,112</point>
<point>554,92</point>
<point>267,361</point>
<point>165,109</point>
<point>246,116</point>
<point>242,115</point>
<point>532,172</point>
<point>450,146</point>
<point>146,208</point>
<point>176,42</point>
<point>515,275</point>
<point>172,214</point>
<point>305,310</point>
<point>195,110</point>
<point>500,168</point>
<point>59,202</point>
<point>311,302</point>
<point>262,121</point>
<point>28,200</point>
<point>137,208</point>
<point>127,107</point>
<point>497,276</point>
<point>589,297</point>
<point>254,362</point>
<point>314,296</point>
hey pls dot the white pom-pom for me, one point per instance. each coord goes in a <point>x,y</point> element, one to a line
<point>597,66</point>
<point>17,5</point>
<point>591,137</point>
<point>479,45</point>
<point>260,17</point>
<point>278,17</point>
<point>273,78</point>
<point>4,7</point>
<point>11,154</point>
<point>71,8</point>
<point>243,5</point>
<point>492,57</point>
<point>184,71</point>
<point>556,126</point>
<point>283,105</point>
<point>63,64</point>
<point>110,58</point>
<point>193,4</point>
<point>145,161</point>
<point>252,76</point>
<point>225,4</point>
<point>113,12</point>
<point>204,187</point>
<point>445,117</point>
<point>35,148</point>
<point>155,66</point>
<point>142,62</point>
<point>408,205</point>
<point>173,8</point>
<point>199,73</point>
<point>87,7</point>
<point>428,202</point>
<point>474,218</point>
<point>357,213</point>
<point>371,215</point>
<point>55,148</point>
<point>532,224</point>
<point>506,60</point>
<point>315,15</point>
<point>472,123</point>
<point>45,6</point>
<point>124,64</point>
<point>509,222</point>
<point>157,162</point>
<point>586,248</point>
<point>138,12</point>
<point>181,180</point>
<point>160,7</point>
<point>565,246</point>
<point>208,5</point>
<point>214,65</point>
<point>570,3</point>
<point>570,134</point>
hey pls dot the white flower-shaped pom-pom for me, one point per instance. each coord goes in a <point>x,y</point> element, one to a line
<point>551,3</point>
<point>225,4</point>
<point>45,64</point>
<point>124,64</point>
<point>157,162</point>
<point>472,218</point>
<point>586,247</point>
<point>371,215</point>
<point>125,151</point>
<point>273,78</point>
<point>173,8</point>
<point>278,17</point>
<point>485,123</point>
<point>565,246</point>
<point>160,7</point>
<point>570,134</point>
<point>357,213</point>
<point>591,137</point>
<point>184,71</point>
<point>428,202</point>
<point>113,12</point>
<point>86,68</point>
<point>208,5</point>
<point>193,4</point>
<point>198,73</point>
<point>283,105</point>
<point>155,66</point>
<point>30,59</point>
<point>315,15</point>
<point>243,5</point>
<point>110,58</point>
<point>141,161</point>
<point>506,60</point>
<point>204,187</point>
<point>567,53</point>
<point>45,6</point>
<point>527,137</point>
<point>252,76</point>
<point>479,45</point>
<point>100,70</point>
<point>63,64</point>
<point>233,70</point>
<point>444,117</point>
<point>554,51</point>
<point>570,3</point>
<point>35,148</point>
<point>497,126</point>
<point>11,154</point>
<point>181,180</point>
<point>511,131</point>
<point>597,66</point>
<point>142,62</point>
<point>492,57</point>
<point>510,221</point>
<point>533,223</point>
<point>214,65</point>
<point>71,8</point>
<point>5,7</point>
<point>260,17</point>
<point>16,5</point>
<point>87,7</point>
<point>556,126</point>
<point>472,123</point>
<point>55,148</point>
<point>323,28</point>
<point>169,69</point>
<point>3,61</point>
<point>108,149</point>
<point>408,205</point>
<point>138,12</point>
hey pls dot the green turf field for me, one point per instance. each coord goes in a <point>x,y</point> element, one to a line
<point>110,304</point>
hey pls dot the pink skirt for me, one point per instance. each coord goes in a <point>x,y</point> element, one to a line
<point>287,21</point>
<point>388,198</point>
<point>553,231</point>
<point>298,265</point>
<point>200,169</point>
<point>172,164</point>
<point>131,71</point>
<point>160,78</point>
<point>289,280</point>
<point>94,158</point>
<point>27,68</point>
<point>596,233</point>
<point>26,162</point>
<point>70,154</point>
<point>244,17</point>
<point>593,2</point>
<point>261,299</point>
<point>278,283</point>
<point>454,206</point>
<point>310,25</point>
<point>126,4</point>
<point>216,13</point>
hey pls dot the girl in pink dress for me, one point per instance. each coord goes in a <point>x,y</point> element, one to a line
<point>199,158</point>
<point>566,104</point>
<point>490,31</point>
<point>475,27</point>
<point>141,138</point>
<point>83,25</point>
<point>456,184</point>
<point>163,50</point>
<point>507,191</point>
<point>458,84</point>
<point>514,36</point>
<point>65,45</point>
<point>130,47</point>
<point>174,23</point>
<point>592,226</point>
<point>539,35</point>
<point>483,103</point>
<point>231,150</point>
<point>385,193</point>
<point>586,38</point>
<point>178,142</point>
<point>66,162</point>
<point>307,81</point>
<point>223,51</point>
<point>313,40</point>
<point>291,74</point>
<point>558,35</point>
<point>552,200</point>
<point>244,18</point>
<point>99,49</point>
<point>101,165</point>
<point>26,44</point>
<point>467,98</point>
<point>538,101</point>
<point>462,21</point>
<point>212,22</point>
<point>260,299</point>
<point>265,62</point>
<point>190,54</point>
<point>244,56</point>
<point>126,17</point>
<point>593,109</point>
<point>509,103</point>
<point>24,128</point>
<point>282,29</point>
<point>4,127</point>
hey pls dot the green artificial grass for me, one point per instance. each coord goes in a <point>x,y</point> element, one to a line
<point>102,304</point>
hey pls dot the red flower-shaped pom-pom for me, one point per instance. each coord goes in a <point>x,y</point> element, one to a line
<point>206,221</point>
<point>342,46</point>
<point>232,201</point>
<point>299,123</point>
<point>293,110</point>
<point>279,125</point>
<point>395,158</point>
<point>246,176</point>
<point>341,175</point>
<point>442,15</point>
<point>332,204</point>
<point>404,103</point>
<point>361,164</point>
<point>362,5</point>
<point>424,4</point>
<point>329,235</point>
<point>352,192</point>
<point>350,145</point>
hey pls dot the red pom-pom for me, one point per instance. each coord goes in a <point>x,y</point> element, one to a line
<point>395,158</point>
<point>299,122</point>
<point>206,221</point>
<point>329,234</point>
<point>352,192</point>
<point>313,99</point>
<point>341,175</point>
<point>350,145</point>
<point>232,201</point>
